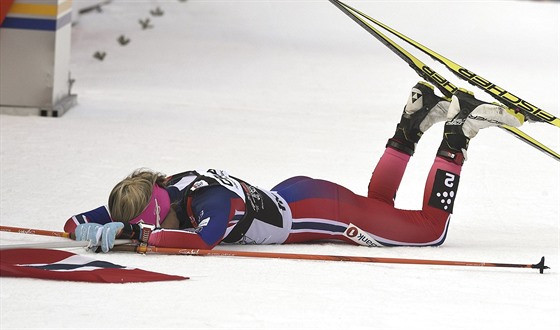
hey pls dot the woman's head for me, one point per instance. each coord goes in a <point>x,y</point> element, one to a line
<point>140,198</point>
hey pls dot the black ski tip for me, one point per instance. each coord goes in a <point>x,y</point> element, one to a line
<point>540,266</point>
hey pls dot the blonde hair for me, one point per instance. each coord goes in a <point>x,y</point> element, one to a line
<point>131,196</point>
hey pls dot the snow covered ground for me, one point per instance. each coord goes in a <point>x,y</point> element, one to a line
<point>272,89</point>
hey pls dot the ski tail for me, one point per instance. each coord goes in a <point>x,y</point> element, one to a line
<point>531,141</point>
<point>445,86</point>
<point>512,101</point>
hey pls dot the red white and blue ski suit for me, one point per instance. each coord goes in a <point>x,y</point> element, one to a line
<point>215,208</point>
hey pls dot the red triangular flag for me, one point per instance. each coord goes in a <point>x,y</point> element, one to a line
<point>67,266</point>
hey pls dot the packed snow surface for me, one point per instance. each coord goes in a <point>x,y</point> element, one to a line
<point>273,89</point>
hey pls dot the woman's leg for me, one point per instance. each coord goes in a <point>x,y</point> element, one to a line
<point>387,176</point>
<point>323,209</point>
<point>315,210</point>
<point>422,110</point>
<point>403,227</point>
<point>429,226</point>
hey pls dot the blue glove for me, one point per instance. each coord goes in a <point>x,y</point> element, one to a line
<point>88,232</point>
<point>109,233</point>
<point>99,235</point>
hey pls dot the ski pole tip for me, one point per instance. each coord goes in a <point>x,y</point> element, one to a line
<point>540,266</point>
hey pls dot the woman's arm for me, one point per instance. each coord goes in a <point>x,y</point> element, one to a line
<point>99,215</point>
<point>175,238</point>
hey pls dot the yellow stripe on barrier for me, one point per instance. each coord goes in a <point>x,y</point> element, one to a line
<point>34,9</point>
<point>40,9</point>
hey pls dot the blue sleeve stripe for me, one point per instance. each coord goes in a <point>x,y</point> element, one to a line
<point>99,215</point>
<point>318,226</point>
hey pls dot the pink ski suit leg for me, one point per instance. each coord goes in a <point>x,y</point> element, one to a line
<point>403,227</point>
<point>322,210</point>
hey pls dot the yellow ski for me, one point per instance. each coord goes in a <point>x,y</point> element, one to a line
<point>501,94</point>
<point>445,86</point>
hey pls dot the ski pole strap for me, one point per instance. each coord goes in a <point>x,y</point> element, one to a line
<point>130,231</point>
<point>137,231</point>
<point>145,233</point>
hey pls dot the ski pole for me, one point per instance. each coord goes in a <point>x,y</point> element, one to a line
<point>47,245</point>
<point>32,231</point>
<point>294,256</point>
<point>56,245</point>
<point>199,252</point>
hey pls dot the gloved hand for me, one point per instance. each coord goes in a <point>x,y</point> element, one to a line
<point>98,235</point>
<point>87,232</point>
<point>109,233</point>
